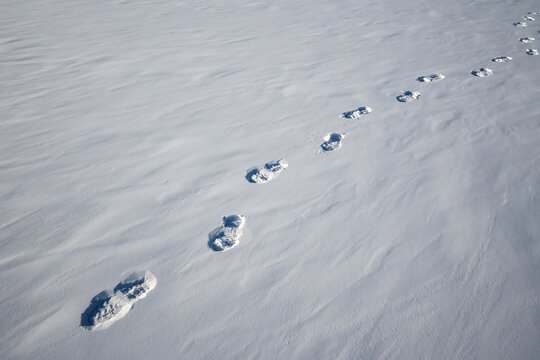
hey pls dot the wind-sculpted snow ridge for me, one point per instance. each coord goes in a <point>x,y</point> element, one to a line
<point>228,235</point>
<point>501,59</point>
<point>408,96</point>
<point>527,39</point>
<point>332,141</point>
<point>520,24</point>
<point>357,113</point>
<point>430,78</point>
<point>108,307</point>
<point>531,52</point>
<point>482,72</point>
<point>270,171</point>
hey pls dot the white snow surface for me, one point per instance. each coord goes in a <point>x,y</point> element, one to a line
<point>126,131</point>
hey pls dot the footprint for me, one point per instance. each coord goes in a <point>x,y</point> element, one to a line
<point>520,24</point>
<point>482,72</point>
<point>408,96</point>
<point>107,307</point>
<point>228,235</point>
<point>430,78</point>
<point>532,13</point>
<point>527,39</point>
<point>270,171</point>
<point>332,141</point>
<point>532,52</point>
<point>528,18</point>
<point>501,59</point>
<point>357,113</point>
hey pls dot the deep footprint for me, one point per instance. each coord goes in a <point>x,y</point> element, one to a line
<point>501,59</point>
<point>408,96</point>
<point>228,235</point>
<point>531,52</point>
<point>529,18</point>
<point>357,113</point>
<point>270,171</point>
<point>107,307</point>
<point>430,78</point>
<point>482,72</point>
<point>520,24</point>
<point>527,39</point>
<point>332,141</point>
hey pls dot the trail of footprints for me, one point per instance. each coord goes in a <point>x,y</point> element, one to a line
<point>109,306</point>
<point>527,39</point>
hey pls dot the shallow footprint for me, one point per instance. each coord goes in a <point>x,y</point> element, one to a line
<point>228,235</point>
<point>531,52</point>
<point>430,78</point>
<point>520,24</point>
<point>482,72</point>
<point>501,59</point>
<point>408,96</point>
<point>332,141</point>
<point>270,171</point>
<point>108,307</point>
<point>527,39</point>
<point>357,113</point>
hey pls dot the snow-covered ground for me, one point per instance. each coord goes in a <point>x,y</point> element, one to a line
<point>128,130</point>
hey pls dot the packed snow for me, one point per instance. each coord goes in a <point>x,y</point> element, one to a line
<point>501,59</point>
<point>527,39</point>
<point>108,307</point>
<point>431,78</point>
<point>357,113</point>
<point>332,141</point>
<point>408,96</point>
<point>127,130</point>
<point>227,235</point>
<point>266,173</point>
